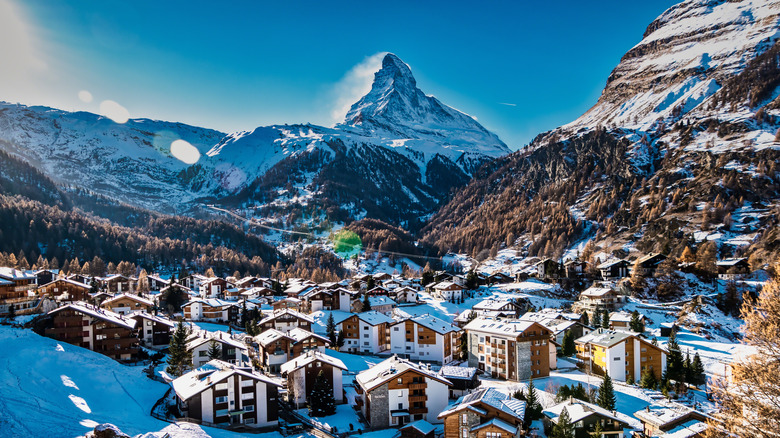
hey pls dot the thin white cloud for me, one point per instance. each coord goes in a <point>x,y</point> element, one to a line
<point>507,104</point>
<point>354,85</point>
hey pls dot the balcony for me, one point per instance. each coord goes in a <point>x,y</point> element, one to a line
<point>414,386</point>
<point>414,411</point>
<point>418,398</point>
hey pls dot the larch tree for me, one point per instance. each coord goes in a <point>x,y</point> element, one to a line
<point>749,402</point>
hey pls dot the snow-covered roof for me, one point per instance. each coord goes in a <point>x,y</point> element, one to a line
<point>498,423</point>
<point>381,300</point>
<point>211,302</point>
<point>687,430</point>
<point>150,317</point>
<point>491,304</point>
<point>389,369</point>
<point>421,426</point>
<point>309,357</point>
<point>211,373</point>
<point>452,372</point>
<point>269,336</point>
<point>279,313</point>
<point>69,281</point>
<point>610,263</point>
<point>604,337</point>
<point>596,291</point>
<point>15,274</point>
<point>666,413</point>
<point>299,334</point>
<point>203,337</point>
<point>447,285</point>
<point>578,410</point>
<point>730,262</point>
<point>97,312</point>
<point>623,316</point>
<point>491,397</point>
<point>436,324</point>
<point>504,327</point>
<point>372,317</point>
<point>141,300</point>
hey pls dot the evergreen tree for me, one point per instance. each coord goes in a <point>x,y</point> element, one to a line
<point>179,358</point>
<point>675,368</point>
<point>636,323</point>
<point>330,328</point>
<point>605,319</point>
<point>370,283</point>
<point>585,319</point>
<point>340,340</point>
<point>596,319</point>
<point>606,398</point>
<point>699,378</point>
<point>321,401</point>
<point>463,347</point>
<point>648,380</point>
<point>563,428</point>
<point>366,303</point>
<point>472,281</point>
<point>688,369</point>
<point>597,431</point>
<point>569,349</point>
<point>533,410</point>
<point>214,351</point>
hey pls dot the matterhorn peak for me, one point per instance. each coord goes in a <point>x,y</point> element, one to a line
<point>396,108</point>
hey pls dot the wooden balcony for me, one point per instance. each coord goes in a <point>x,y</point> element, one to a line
<point>414,411</point>
<point>414,386</point>
<point>418,398</point>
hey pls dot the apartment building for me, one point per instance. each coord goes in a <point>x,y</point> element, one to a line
<point>509,348</point>
<point>425,337</point>
<point>366,332</point>
<point>623,355</point>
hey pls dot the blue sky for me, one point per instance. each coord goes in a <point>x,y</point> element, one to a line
<point>519,67</point>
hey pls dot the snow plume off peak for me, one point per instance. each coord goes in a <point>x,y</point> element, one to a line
<point>355,84</point>
<point>185,152</point>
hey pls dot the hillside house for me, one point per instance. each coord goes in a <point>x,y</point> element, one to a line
<point>622,355</point>
<point>575,268</point>
<point>598,298</point>
<point>733,269</point>
<point>613,269</point>
<point>426,338</point>
<point>117,283</point>
<point>584,416</point>
<point>275,348</point>
<point>548,269</point>
<point>448,291</point>
<point>125,303</point>
<point>220,393</point>
<point>231,350</point>
<point>404,294</point>
<point>213,287</point>
<point>485,413</point>
<point>670,419</point>
<point>366,332</point>
<point>464,379</point>
<point>99,330</point>
<point>396,392</point>
<point>622,320</point>
<point>646,266</point>
<point>509,348</point>
<point>302,372</point>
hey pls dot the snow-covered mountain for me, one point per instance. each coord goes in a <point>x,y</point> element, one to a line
<point>405,149</point>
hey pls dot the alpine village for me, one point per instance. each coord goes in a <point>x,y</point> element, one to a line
<point>404,273</point>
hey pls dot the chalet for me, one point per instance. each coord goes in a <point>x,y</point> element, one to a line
<point>548,269</point>
<point>613,269</point>
<point>97,329</point>
<point>256,292</point>
<point>65,289</point>
<point>154,330</point>
<point>117,283</point>
<point>485,413</point>
<point>464,379</point>
<point>598,298</point>
<point>81,278</point>
<point>287,303</point>
<point>448,291</point>
<point>286,320</point>
<point>426,338</point>
<point>575,268</point>
<point>732,269</point>
<point>302,372</point>
<point>584,416</point>
<point>274,347</point>
<point>559,323</point>
<point>405,294</point>
<point>417,429</point>
<point>156,283</point>
<point>126,303</point>
<point>500,278</point>
<point>298,289</point>
<point>213,287</point>
<point>382,276</point>
<point>231,350</point>
<point>233,294</point>
<point>396,392</point>
<point>44,276</point>
<point>315,299</point>
<point>379,303</point>
<point>622,320</point>
<point>622,355</point>
<point>647,265</point>
<point>366,332</point>
<point>219,393</point>
<point>508,308</point>
<point>670,419</point>
<point>16,291</point>
<point>509,348</point>
<point>213,310</point>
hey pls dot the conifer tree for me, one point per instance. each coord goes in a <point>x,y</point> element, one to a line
<point>340,340</point>
<point>675,368</point>
<point>533,410</point>
<point>606,398</point>
<point>648,380</point>
<point>636,323</point>
<point>366,303</point>
<point>563,428</point>
<point>321,401</point>
<point>330,328</point>
<point>179,358</point>
<point>596,319</point>
<point>569,349</point>
<point>214,351</point>
<point>597,431</point>
<point>605,319</point>
<point>585,319</point>
<point>699,378</point>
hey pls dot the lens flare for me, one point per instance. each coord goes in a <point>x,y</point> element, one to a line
<point>114,111</point>
<point>185,152</point>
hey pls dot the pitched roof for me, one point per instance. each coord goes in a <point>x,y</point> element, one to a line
<point>372,317</point>
<point>453,372</point>
<point>730,262</point>
<point>269,336</point>
<point>490,397</point>
<point>596,291</point>
<point>97,312</point>
<point>211,302</point>
<point>578,410</point>
<point>202,337</point>
<point>299,334</point>
<point>421,426</point>
<point>150,317</point>
<point>504,327</point>
<point>208,375</point>
<point>605,337</point>
<point>610,263</point>
<point>131,297</point>
<point>15,274</point>
<point>389,369</point>
<point>436,324</point>
<point>281,312</point>
<point>381,300</point>
<point>309,357</point>
<point>69,281</point>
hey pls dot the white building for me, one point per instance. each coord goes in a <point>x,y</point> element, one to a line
<point>231,350</point>
<point>425,337</point>
<point>302,371</point>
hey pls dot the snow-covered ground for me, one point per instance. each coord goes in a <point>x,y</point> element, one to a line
<point>48,388</point>
<point>339,422</point>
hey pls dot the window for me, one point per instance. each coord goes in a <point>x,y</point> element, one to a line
<point>221,386</point>
<point>464,419</point>
<point>493,435</point>
<point>221,413</point>
<point>249,421</point>
<point>395,329</point>
<point>400,381</point>
<point>617,358</point>
<point>365,335</point>
<point>202,353</point>
<point>249,408</point>
<point>222,399</point>
<point>464,433</point>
